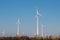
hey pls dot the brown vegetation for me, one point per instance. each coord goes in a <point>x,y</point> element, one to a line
<point>30,38</point>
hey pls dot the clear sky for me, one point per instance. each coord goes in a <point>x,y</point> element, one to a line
<point>25,10</point>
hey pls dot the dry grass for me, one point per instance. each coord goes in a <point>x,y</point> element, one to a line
<point>31,38</point>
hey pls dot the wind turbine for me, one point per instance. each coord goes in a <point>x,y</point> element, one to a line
<point>18,26</point>
<point>42,30</point>
<point>37,24</point>
<point>3,33</point>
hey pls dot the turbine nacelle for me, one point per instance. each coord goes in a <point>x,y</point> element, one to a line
<point>38,14</point>
<point>18,21</point>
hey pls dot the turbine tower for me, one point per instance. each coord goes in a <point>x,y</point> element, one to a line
<point>37,24</point>
<point>18,26</point>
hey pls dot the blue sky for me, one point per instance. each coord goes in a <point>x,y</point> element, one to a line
<point>25,10</point>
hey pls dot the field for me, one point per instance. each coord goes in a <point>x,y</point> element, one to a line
<point>31,38</point>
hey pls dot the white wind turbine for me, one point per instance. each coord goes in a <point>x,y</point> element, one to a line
<point>42,30</point>
<point>42,34</point>
<point>18,26</point>
<point>3,33</point>
<point>37,24</point>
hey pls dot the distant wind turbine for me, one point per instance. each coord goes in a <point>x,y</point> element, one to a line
<point>18,26</point>
<point>42,30</point>
<point>3,33</point>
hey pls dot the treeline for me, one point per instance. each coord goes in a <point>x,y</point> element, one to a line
<point>30,38</point>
